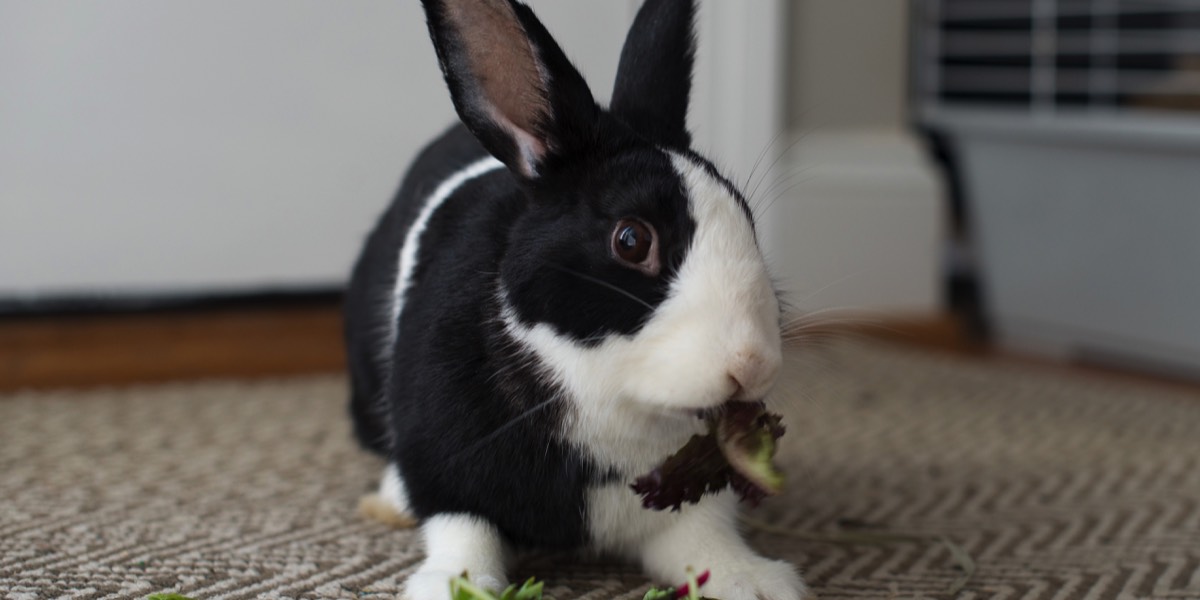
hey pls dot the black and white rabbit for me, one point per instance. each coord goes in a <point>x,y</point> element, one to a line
<point>555,293</point>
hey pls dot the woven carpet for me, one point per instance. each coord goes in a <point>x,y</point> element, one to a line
<point>1057,487</point>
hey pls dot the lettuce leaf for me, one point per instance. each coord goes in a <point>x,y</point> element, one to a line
<point>737,452</point>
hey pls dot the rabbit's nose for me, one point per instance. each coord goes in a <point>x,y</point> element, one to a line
<point>753,374</point>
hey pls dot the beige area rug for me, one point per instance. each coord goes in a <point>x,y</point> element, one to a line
<point>1058,487</point>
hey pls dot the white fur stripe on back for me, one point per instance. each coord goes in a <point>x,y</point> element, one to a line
<point>407,261</point>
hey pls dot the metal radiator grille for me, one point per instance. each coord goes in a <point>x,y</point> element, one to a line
<point>1057,55</point>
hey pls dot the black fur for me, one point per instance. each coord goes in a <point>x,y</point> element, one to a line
<point>461,408</point>
<point>368,300</point>
<point>654,77</point>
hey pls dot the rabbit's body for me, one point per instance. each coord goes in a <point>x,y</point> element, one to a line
<point>529,333</point>
<point>535,499</point>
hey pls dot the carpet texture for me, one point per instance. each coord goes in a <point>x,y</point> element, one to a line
<point>1058,487</point>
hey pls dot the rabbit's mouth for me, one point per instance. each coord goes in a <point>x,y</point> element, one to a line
<point>714,413</point>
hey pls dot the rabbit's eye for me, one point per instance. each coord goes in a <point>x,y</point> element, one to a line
<point>635,244</point>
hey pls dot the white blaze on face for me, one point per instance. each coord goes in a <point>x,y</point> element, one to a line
<point>716,336</point>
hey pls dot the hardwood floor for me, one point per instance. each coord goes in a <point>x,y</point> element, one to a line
<point>269,340</point>
<point>86,350</point>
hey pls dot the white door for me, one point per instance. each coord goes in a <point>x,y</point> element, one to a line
<point>195,147</point>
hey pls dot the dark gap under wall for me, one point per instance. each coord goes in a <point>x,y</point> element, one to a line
<point>100,304</point>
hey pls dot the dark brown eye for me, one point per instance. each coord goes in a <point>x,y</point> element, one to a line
<point>635,244</point>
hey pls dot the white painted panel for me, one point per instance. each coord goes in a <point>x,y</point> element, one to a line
<point>859,227</point>
<point>1087,234</point>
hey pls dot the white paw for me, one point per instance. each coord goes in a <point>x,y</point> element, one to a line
<point>455,544</point>
<point>759,580</point>
<point>434,584</point>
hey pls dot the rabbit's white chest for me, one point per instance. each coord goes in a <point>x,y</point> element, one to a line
<point>618,524</point>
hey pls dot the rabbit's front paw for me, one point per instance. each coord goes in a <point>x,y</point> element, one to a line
<point>759,580</point>
<point>457,544</point>
<point>434,584</point>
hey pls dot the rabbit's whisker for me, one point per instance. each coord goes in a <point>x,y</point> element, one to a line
<point>480,443</point>
<point>784,192</point>
<point>600,282</point>
<point>775,163</point>
<point>761,156</point>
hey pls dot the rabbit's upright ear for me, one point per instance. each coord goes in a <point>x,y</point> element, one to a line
<point>511,84</point>
<point>654,77</point>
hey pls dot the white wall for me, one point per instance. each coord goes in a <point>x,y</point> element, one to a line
<point>850,57</point>
<point>199,146</point>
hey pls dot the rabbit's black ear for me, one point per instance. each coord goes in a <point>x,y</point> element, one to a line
<point>511,84</point>
<point>654,77</point>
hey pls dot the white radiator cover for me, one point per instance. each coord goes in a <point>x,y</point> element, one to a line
<point>1088,232</point>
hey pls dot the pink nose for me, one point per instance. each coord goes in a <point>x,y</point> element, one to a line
<point>753,374</point>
